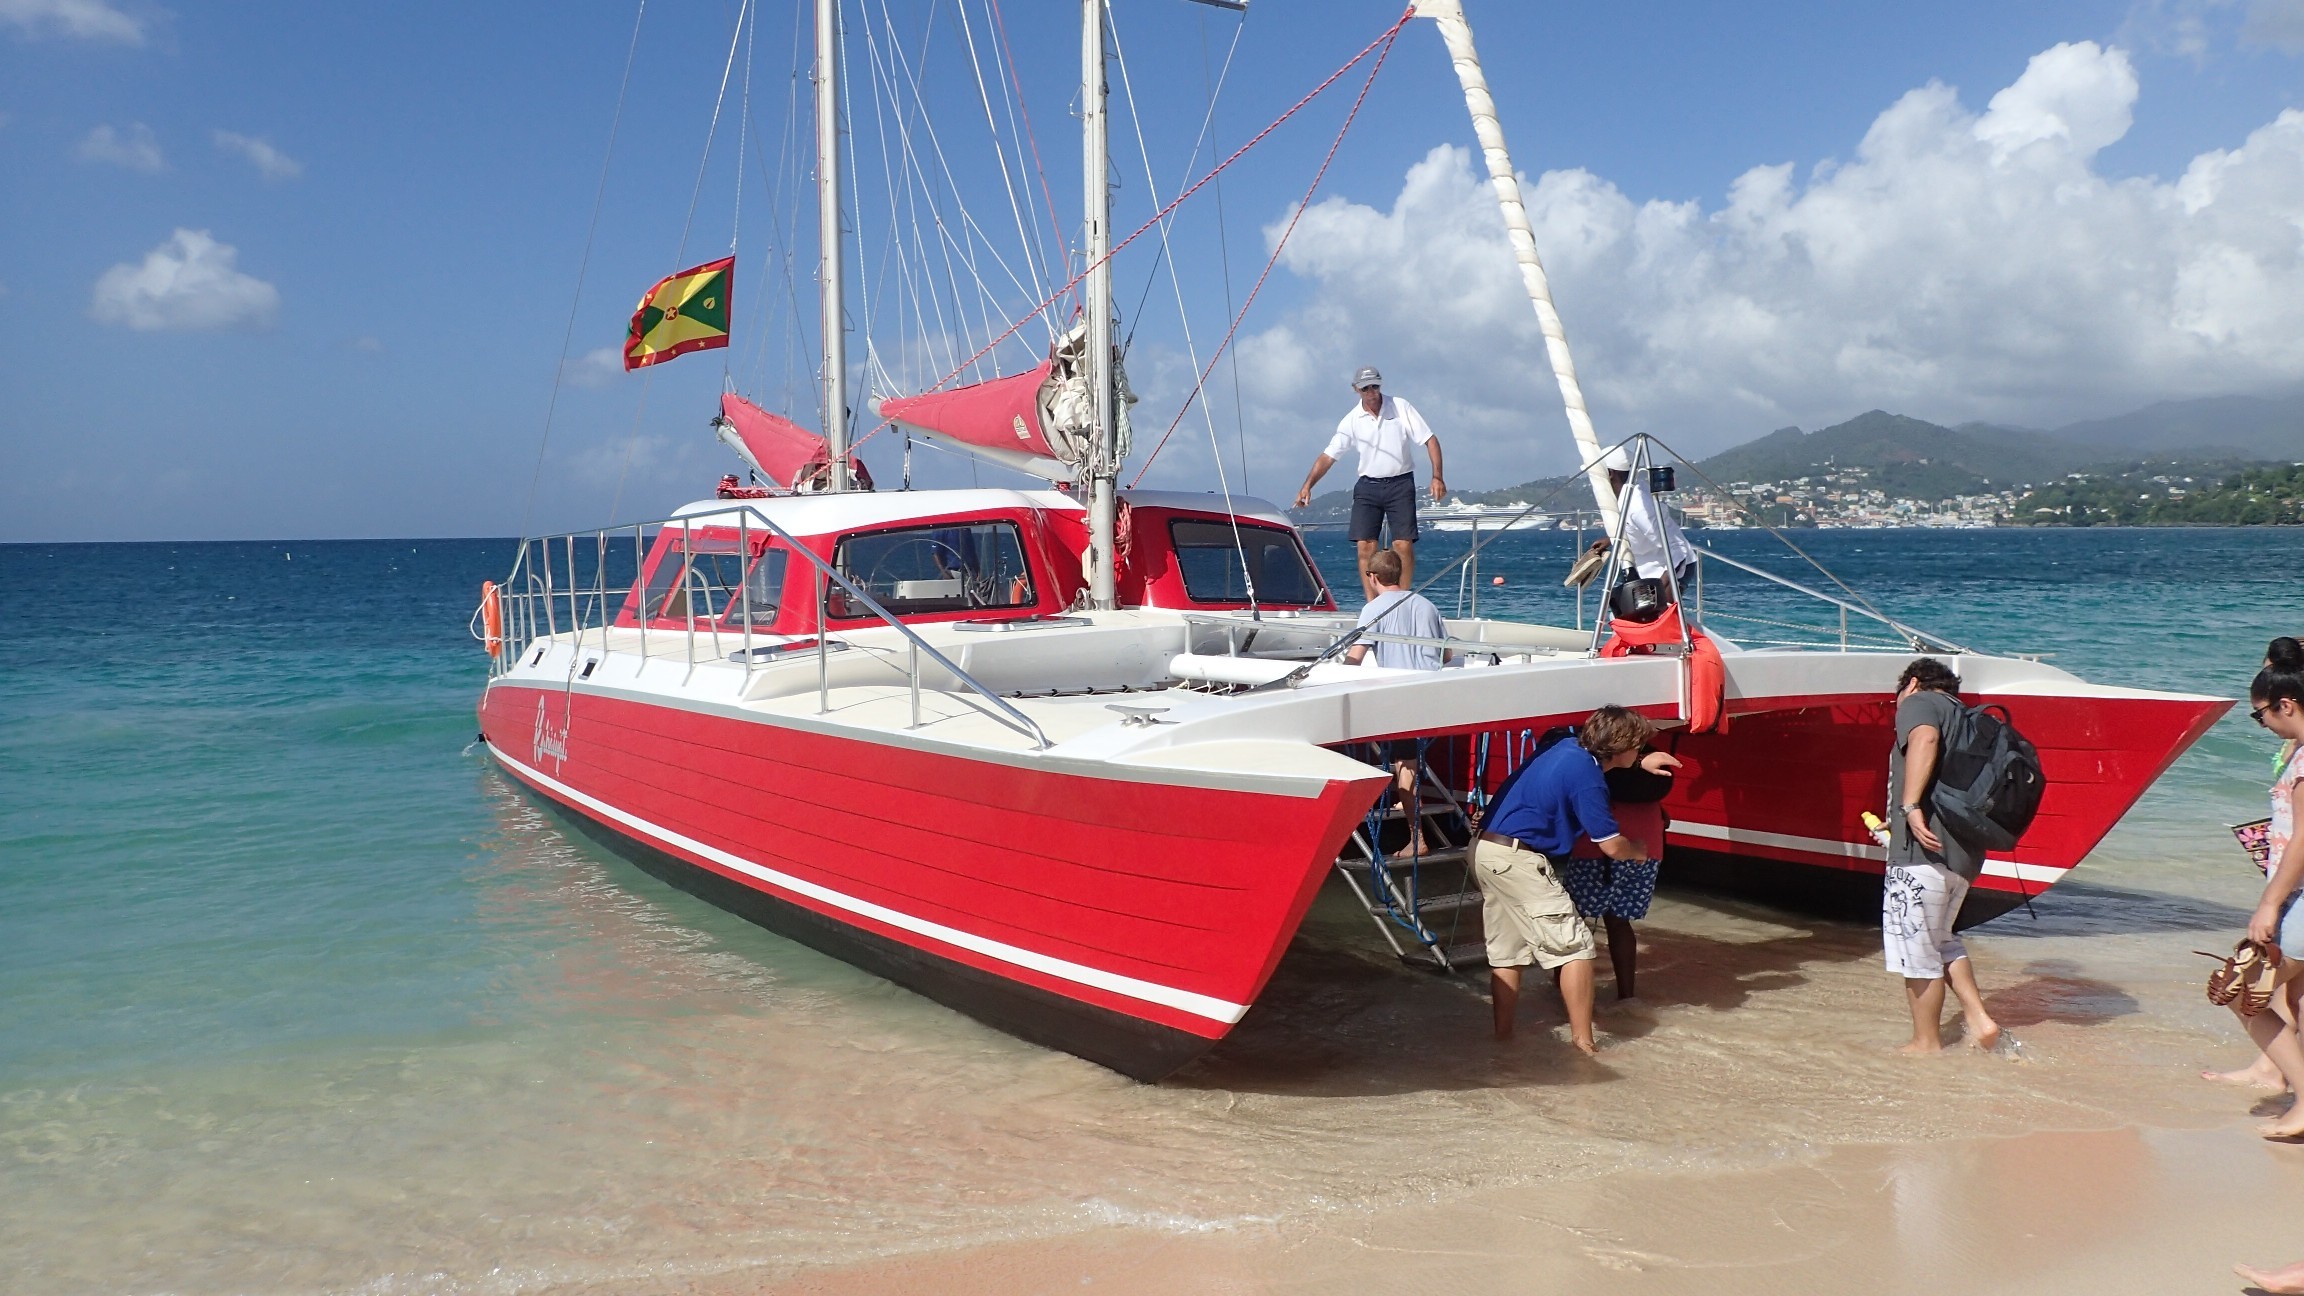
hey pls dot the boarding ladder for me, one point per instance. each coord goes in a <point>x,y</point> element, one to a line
<point>1425,904</point>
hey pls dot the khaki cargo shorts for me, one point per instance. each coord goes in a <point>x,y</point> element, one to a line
<point>1527,913</point>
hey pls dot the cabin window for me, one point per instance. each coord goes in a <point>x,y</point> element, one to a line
<point>956,568</point>
<point>1210,561</point>
<point>706,581</point>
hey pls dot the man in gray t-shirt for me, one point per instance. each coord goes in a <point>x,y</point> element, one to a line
<point>1928,869</point>
<point>1397,611</point>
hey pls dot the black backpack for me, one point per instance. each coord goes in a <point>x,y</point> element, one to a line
<point>1988,780</point>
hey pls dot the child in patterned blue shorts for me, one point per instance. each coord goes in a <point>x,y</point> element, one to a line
<point>1618,891</point>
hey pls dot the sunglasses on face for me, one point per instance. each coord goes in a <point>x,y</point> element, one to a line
<point>2257,714</point>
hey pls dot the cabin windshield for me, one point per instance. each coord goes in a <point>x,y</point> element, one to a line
<point>1210,562</point>
<point>713,580</point>
<point>954,568</point>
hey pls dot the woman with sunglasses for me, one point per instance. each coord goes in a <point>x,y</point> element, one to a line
<point>2276,701</point>
<point>2283,653</point>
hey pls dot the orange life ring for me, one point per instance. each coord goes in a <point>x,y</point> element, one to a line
<point>491,619</point>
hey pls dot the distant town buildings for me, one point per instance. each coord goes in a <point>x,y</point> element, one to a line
<point>1842,497</point>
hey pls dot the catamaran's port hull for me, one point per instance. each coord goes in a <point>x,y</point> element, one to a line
<point>1130,922</point>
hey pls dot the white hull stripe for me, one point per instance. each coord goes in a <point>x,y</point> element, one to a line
<point>2047,875</point>
<point>1199,1005</point>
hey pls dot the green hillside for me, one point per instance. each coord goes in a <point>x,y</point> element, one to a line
<point>2159,495</point>
<point>1904,456</point>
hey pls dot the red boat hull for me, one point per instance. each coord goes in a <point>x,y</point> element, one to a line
<point>1772,807</point>
<point>1128,922</point>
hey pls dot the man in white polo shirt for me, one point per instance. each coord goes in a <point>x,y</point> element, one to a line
<point>1384,432</point>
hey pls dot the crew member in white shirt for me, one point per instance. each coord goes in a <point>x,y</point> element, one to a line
<point>1650,535</point>
<point>1384,432</point>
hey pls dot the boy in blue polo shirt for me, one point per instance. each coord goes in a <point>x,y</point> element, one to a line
<point>1534,819</point>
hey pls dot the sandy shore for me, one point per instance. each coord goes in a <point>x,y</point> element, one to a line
<point>2112,1211</point>
<point>1714,1149</point>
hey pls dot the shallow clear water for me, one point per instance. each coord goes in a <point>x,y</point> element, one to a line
<point>297,995</point>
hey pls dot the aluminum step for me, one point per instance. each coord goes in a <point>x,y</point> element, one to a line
<point>1446,855</point>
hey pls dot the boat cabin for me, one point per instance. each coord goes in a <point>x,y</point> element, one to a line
<point>961,555</point>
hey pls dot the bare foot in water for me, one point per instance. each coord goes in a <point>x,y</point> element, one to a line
<point>1920,1048</point>
<point>1988,1038</point>
<point>2259,1075</point>
<point>2287,1281</point>
<point>1587,1047</point>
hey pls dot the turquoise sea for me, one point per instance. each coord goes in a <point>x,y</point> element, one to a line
<point>296,995</point>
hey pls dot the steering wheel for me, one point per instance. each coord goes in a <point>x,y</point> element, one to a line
<point>957,567</point>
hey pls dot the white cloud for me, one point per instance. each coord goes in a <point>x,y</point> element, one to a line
<point>188,283</point>
<point>1960,266</point>
<point>135,148</point>
<point>368,345</point>
<point>79,19</point>
<point>599,367</point>
<point>269,162</point>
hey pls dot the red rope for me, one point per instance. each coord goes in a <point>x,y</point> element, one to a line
<point>1274,260</point>
<point>1383,42</point>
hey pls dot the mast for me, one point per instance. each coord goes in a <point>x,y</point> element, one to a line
<point>1449,16</point>
<point>830,276</point>
<point>1104,468</point>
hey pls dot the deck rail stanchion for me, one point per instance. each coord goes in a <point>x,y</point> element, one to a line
<point>914,666</point>
<point>575,620</point>
<point>640,592</point>
<point>688,591</point>
<point>823,644</point>
<point>744,586</point>
<point>1580,554</point>
<point>600,582</point>
<point>551,615</point>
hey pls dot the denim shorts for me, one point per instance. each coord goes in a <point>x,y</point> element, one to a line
<point>2292,927</point>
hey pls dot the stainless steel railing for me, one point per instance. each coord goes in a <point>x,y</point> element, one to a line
<point>546,581</point>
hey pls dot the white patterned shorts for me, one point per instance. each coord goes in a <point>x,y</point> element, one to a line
<point>1917,905</point>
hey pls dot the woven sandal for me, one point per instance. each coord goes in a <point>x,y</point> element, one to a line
<point>2259,983</point>
<point>2224,983</point>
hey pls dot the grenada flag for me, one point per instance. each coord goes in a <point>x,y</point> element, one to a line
<point>687,312</point>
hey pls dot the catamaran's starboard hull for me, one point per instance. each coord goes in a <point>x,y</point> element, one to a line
<point>1771,808</point>
<point>1130,922</point>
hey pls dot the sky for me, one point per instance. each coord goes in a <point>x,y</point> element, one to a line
<point>290,271</point>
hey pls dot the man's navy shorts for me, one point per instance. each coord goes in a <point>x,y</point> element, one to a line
<point>1377,500</point>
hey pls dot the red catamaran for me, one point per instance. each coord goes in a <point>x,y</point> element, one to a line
<point>1076,761</point>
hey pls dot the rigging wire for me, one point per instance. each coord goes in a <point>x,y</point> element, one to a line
<point>986,299</point>
<point>1224,254</point>
<point>1383,42</point>
<point>1191,348</point>
<point>1207,121</point>
<point>583,265</point>
<point>1031,137</point>
<point>719,101</point>
<point>1277,248</point>
<point>1034,258</point>
<point>736,207</point>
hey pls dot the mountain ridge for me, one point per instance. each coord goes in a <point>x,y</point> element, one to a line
<point>1912,458</point>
